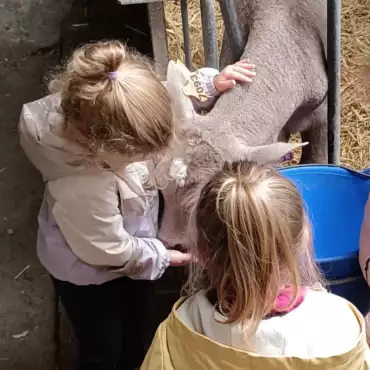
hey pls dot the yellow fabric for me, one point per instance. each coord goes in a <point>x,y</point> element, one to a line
<point>176,347</point>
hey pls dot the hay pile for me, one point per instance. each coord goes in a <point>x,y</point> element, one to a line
<point>355,131</point>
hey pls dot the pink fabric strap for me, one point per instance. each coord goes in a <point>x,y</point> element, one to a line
<point>283,302</point>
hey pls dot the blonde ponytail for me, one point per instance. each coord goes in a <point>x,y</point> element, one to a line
<point>251,229</point>
<point>112,101</point>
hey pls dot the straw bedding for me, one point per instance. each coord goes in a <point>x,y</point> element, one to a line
<point>355,111</point>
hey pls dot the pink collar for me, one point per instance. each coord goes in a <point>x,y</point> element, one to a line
<point>283,302</point>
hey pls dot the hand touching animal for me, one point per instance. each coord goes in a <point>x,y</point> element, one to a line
<point>242,71</point>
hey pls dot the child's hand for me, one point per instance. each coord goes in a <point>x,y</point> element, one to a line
<point>178,258</point>
<point>241,71</point>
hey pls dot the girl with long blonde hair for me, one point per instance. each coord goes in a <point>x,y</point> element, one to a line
<point>256,298</point>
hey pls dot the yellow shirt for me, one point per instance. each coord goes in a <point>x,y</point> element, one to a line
<point>177,347</point>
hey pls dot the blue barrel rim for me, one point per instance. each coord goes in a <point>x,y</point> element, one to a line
<point>353,255</point>
<point>364,174</point>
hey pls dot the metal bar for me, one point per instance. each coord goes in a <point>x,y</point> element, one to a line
<point>158,34</point>
<point>186,32</point>
<point>207,9</point>
<point>232,28</point>
<point>334,28</point>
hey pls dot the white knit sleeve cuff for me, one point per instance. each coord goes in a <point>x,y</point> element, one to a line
<point>208,75</point>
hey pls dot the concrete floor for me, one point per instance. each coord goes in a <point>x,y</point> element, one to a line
<point>26,299</point>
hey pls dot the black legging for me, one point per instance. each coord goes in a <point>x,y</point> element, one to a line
<point>109,322</point>
<point>116,321</point>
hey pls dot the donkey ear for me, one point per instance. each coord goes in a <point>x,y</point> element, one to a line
<point>177,77</point>
<point>276,152</point>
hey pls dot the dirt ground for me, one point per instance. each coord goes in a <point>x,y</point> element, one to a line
<point>25,301</point>
<point>26,298</point>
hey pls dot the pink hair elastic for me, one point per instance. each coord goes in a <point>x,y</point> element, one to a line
<point>113,75</point>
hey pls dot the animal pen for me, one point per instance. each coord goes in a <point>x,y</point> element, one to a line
<point>233,29</point>
<point>191,30</point>
<point>352,29</point>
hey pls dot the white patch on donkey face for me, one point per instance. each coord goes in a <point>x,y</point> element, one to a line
<point>178,171</point>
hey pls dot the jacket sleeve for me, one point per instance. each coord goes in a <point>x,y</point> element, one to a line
<point>90,219</point>
<point>365,243</point>
<point>207,77</point>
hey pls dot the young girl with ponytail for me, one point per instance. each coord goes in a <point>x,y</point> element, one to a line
<point>252,304</point>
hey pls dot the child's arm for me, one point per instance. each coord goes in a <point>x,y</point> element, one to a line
<point>92,224</point>
<point>365,243</point>
<point>213,83</point>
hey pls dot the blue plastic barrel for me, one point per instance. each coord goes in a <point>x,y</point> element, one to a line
<point>335,199</point>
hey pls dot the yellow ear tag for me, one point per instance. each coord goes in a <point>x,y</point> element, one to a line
<point>194,87</point>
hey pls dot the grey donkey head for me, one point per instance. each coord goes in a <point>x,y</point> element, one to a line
<point>204,153</point>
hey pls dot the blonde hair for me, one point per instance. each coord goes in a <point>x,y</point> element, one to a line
<point>253,237</point>
<point>130,114</point>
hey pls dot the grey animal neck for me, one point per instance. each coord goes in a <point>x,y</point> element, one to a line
<point>263,108</point>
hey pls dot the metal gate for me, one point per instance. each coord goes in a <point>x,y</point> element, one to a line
<point>234,33</point>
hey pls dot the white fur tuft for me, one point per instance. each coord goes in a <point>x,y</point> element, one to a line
<point>178,171</point>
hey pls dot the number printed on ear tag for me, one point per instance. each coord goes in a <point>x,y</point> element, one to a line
<point>194,87</point>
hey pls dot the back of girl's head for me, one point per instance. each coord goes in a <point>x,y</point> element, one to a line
<point>112,101</point>
<point>253,237</point>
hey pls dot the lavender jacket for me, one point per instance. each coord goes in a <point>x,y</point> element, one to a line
<point>94,225</point>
